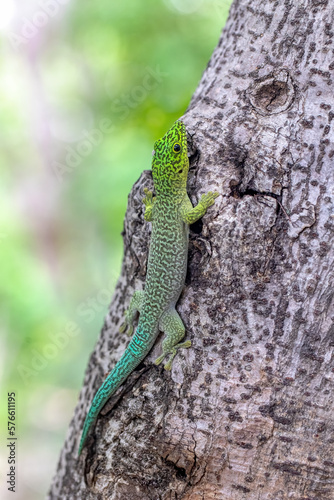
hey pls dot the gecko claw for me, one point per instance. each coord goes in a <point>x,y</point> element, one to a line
<point>159,360</point>
<point>123,327</point>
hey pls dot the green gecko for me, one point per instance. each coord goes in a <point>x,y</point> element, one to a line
<point>170,212</point>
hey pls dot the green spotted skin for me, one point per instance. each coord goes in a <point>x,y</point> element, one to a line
<point>170,212</point>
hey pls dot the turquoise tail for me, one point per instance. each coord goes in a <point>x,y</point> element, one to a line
<point>136,351</point>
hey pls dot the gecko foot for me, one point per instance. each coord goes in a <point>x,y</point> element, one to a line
<point>125,326</point>
<point>172,352</point>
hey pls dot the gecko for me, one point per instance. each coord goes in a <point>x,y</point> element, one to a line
<point>171,212</point>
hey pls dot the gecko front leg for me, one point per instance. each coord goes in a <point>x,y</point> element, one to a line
<point>148,201</point>
<point>191,214</point>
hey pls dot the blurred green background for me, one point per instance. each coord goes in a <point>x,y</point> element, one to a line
<point>86,88</point>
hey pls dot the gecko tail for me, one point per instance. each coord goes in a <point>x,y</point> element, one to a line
<point>131,358</point>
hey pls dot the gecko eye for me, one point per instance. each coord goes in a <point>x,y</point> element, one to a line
<point>177,147</point>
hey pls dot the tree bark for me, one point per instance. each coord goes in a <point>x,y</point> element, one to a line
<point>247,412</point>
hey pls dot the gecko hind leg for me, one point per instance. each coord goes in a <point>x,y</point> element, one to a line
<point>131,313</point>
<point>172,326</point>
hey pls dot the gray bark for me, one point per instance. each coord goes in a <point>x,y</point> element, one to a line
<point>247,412</point>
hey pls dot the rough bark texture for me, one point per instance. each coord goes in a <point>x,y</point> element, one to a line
<point>247,412</point>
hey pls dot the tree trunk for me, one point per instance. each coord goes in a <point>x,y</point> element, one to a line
<point>247,412</point>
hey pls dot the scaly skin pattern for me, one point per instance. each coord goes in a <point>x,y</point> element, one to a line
<point>170,212</point>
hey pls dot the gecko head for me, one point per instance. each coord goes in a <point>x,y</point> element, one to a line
<point>170,163</point>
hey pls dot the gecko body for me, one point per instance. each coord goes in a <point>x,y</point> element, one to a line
<point>170,212</point>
